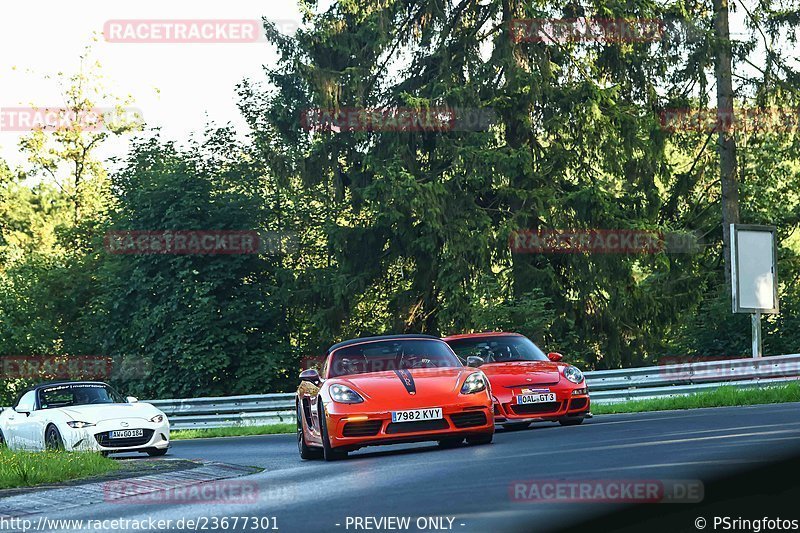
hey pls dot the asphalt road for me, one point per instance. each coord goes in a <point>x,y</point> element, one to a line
<point>473,484</point>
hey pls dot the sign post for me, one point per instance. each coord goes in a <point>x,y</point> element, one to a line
<point>754,275</point>
<point>755,318</point>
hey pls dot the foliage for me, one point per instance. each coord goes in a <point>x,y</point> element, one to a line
<point>28,469</point>
<point>387,231</point>
<point>237,431</point>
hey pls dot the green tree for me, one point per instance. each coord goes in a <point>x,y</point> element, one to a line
<point>198,324</point>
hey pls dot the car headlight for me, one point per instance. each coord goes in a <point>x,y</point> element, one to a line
<point>475,382</point>
<point>343,394</point>
<point>75,424</point>
<point>157,419</point>
<point>573,374</point>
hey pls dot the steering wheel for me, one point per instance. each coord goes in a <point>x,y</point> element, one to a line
<point>486,354</point>
<point>422,362</point>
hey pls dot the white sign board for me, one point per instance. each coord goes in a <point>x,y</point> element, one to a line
<point>753,269</point>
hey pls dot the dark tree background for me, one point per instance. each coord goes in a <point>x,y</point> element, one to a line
<point>408,231</point>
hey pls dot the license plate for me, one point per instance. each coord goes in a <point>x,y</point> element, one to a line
<point>417,415</point>
<point>126,433</point>
<point>543,397</point>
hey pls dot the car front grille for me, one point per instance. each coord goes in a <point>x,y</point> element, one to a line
<point>536,408</point>
<point>468,420</point>
<point>103,440</point>
<point>411,427</point>
<point>362,429</point>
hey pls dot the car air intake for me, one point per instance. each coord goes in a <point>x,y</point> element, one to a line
<point>536,408</point>
<point>103,440</point>
<point>468,420</point>
<point>578,403</point>
<point>411,427</point>
<point>362,429</point>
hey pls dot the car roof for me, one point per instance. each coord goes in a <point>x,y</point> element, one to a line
<point>481,335</point>
<point>408,336</point>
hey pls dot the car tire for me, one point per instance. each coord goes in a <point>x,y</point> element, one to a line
<point>157,452</point>
<point>516,426</point>
<point>485,438</point>
<point>450,443</point>
<point>2,440</point>
<point>52,439</point>
<point>306,451</point>
<point>329,453</point>
<point>572,421</point>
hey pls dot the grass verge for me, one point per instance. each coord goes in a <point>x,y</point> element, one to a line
<point>26,469</point>
<point>238,431</point>
<point>721,397</point>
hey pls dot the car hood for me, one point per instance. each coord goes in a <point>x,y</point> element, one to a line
<point>518,373</point>
<point>112,411</point>
<point>419,384</point>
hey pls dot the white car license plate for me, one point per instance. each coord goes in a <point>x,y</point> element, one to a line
<point>543,397</point>
<point>126,433</point>
<point>417,415</point>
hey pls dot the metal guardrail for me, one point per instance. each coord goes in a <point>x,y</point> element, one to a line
<point>611,386</point>
<point>229,411</point>
<point>605,386</point>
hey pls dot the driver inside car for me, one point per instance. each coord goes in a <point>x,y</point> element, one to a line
<point>502,353</point>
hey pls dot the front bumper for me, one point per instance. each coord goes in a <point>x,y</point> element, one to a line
<point>353,430</point>
<point>566,405</point>
<point>96,438</point>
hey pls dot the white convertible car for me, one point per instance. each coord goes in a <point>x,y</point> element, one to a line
<point>85,415</point>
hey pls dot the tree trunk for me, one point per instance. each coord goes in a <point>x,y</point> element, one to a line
<point>725,120</point>
<point>516,137</point>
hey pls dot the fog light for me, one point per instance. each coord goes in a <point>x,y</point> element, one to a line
<point>578,392</point>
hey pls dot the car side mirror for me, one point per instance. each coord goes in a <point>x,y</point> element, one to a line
<point>26,413</point>
<point>310,375</point>
<point>555,357</point>
<point>132,399</point>
<point>474,361</point>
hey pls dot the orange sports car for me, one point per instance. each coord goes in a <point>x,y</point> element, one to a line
<point>527,385</point>
<point>388,390</point>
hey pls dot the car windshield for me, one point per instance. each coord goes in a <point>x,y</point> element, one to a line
<point>78,394</point>
<point>379,356</point>
<point>499,349</point>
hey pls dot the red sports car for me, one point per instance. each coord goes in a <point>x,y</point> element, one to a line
<point>387,390</point>
<point>526,384</point>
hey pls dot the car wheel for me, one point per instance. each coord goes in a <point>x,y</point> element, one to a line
<point>157,452</point>
<point>516,426</point>
<point>329,453</point>
<point>572,421</point>
<point>485,438</point>
<point>306,451</point>
<point>52,439</point>
<point>450,443</point>
<point>105,454</point>
<point>2,440</point>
